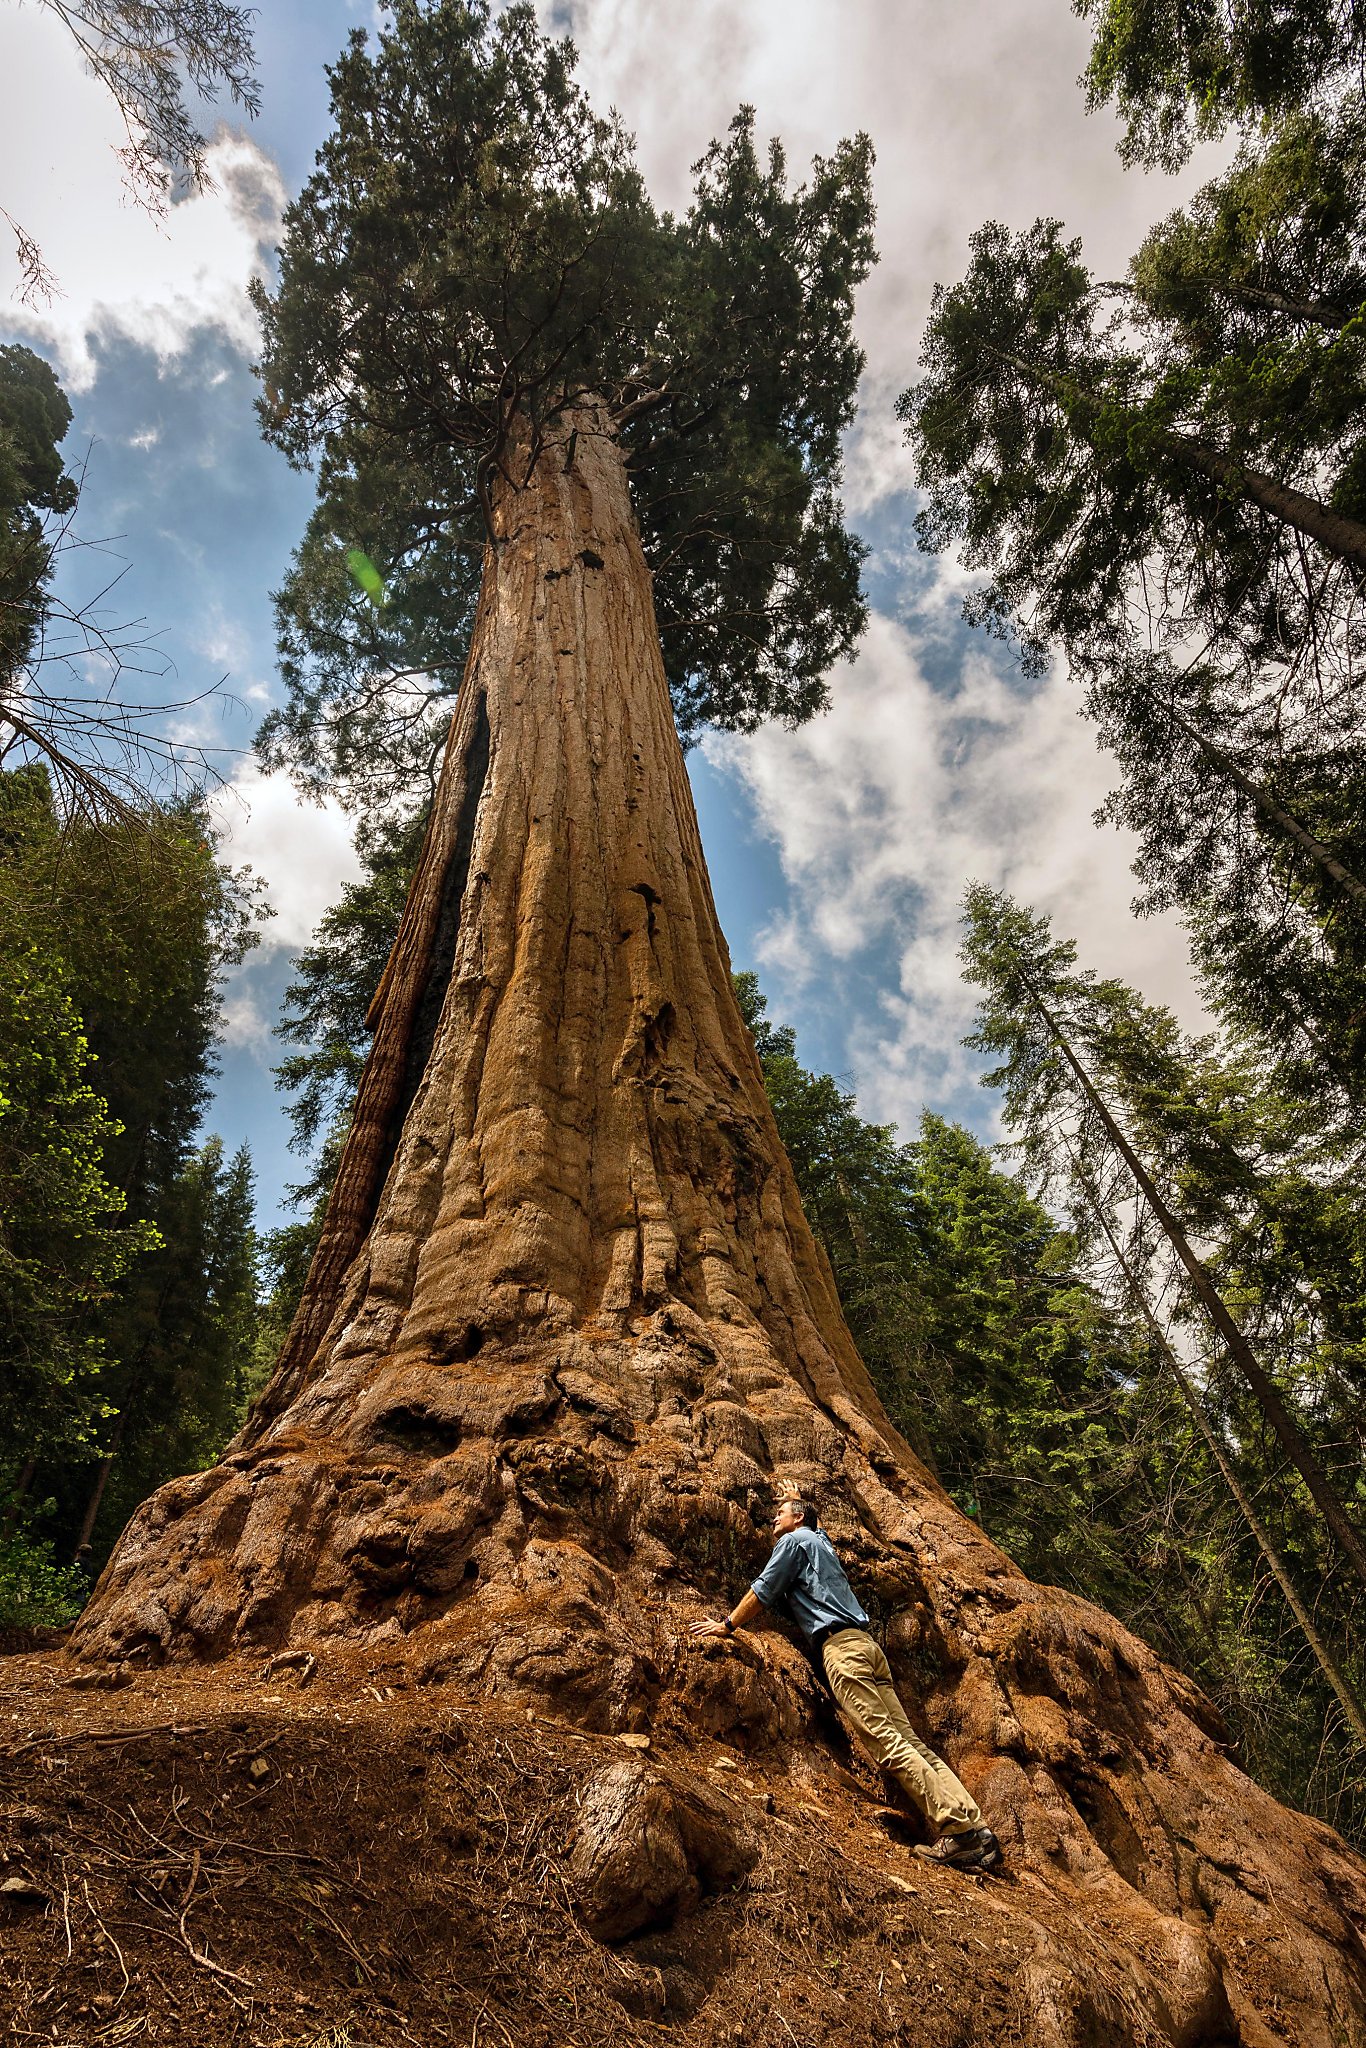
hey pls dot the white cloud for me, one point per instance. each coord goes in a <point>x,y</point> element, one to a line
<point>304,850</point>
<point>883,810</point>
<point>123,274</point>
<point>245,1023</point>
<point>973,109</point>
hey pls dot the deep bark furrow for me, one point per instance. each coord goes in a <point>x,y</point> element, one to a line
<point>451,894</point>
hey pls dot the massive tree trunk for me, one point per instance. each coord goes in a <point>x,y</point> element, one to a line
<point>568,1336</point>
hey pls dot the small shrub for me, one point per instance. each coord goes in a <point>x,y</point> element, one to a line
<point>36,1591</point>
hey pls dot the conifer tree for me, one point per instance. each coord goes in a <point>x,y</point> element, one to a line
<point>1178,73</point>
<point>1160,477</point>
<point>136,921</point>
<point>1074,1046</point>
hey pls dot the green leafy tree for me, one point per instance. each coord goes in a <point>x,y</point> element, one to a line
<point>136,921</point>
<point>64,1242</point>
<point>181,1336</point>
<point>1276,916</point>
<point>1160,479</point>
<point>1090,1057</point>
<point>992,1353</point>
<point>327,1003</point>
<point>1019,1366</point>
<point>1193,1185</point>
<point>477,249</point>
<point>1101,468</point>
<point>1179,73</point>
<point>34,485</point>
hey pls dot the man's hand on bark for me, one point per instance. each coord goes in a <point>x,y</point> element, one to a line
<point>747,1611</point>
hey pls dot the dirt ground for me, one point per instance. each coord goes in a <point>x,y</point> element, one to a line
<point>221,1856</point>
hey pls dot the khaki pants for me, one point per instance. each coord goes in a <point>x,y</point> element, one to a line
<point>862,1684</point>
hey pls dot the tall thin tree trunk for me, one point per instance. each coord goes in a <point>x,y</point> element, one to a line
<point>1291,1437</point>
<point>1274,812</point>
<point>96,1497</point>
<point>1328,1664</point>
<point>1333,531</point>
<point>17,1498</point>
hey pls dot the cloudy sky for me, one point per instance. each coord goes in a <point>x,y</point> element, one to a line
<point>838,853</point>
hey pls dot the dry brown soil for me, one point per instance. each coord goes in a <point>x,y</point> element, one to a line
<point>220,1857</point>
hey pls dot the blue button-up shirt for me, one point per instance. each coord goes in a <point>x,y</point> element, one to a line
<point>805,1576</point>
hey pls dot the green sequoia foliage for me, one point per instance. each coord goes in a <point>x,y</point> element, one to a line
<point>476,248</point>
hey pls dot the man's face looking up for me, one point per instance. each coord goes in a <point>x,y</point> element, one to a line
<point>789,1516</point>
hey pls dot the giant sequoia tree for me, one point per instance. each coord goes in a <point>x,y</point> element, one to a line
<point>567,1331</point>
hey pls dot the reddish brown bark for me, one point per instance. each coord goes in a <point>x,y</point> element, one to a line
<point>569,1335</point>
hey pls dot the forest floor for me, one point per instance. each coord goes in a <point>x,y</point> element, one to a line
<point>216,1856</point>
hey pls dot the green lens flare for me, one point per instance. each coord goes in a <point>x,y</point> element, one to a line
<point>364,573</point>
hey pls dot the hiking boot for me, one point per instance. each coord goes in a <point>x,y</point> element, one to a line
<point>975,1849</point>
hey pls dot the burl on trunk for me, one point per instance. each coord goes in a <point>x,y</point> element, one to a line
<point>568,1335</point>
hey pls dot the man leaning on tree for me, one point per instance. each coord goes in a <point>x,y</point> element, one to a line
<point>805,1581</point>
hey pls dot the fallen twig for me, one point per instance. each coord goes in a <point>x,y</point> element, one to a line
<point>112,1736</point>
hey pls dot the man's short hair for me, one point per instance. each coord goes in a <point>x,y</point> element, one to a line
<point>803,1507</point>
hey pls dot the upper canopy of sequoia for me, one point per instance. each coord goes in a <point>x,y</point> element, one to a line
<point>476,243</point>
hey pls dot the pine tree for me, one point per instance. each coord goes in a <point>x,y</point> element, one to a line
<point>1088,1051</point>
<point>1179,74</point>
<point>1160,476</point>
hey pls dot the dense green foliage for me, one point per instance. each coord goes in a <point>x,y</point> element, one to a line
<point>62,1240</point>
<point>35,1591</point>
<point>335,979</point>
<point>475,252</point>
<point>1274,1206</point>
<point>129,1247</point>
<point>34,484</point>
<point>995,1358</point>
<point>1179,72</point>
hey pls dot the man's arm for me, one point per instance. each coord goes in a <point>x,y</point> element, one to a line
<point>772,1582</point>
<point>746,1611</point>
